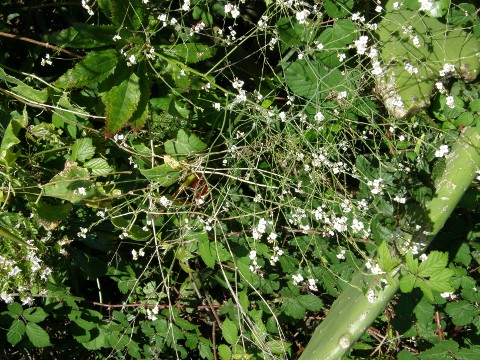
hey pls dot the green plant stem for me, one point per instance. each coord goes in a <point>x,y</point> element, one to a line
<point>351,314</point>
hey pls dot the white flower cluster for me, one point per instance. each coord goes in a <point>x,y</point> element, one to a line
<point>46,60</point>
<point>376,185</point>
<point>426,5</point>
<point>302,16</point>
<point>151,313</point>
<point>87,7</point>
<point>232,9</point>
<point>374,269</point>
<point>450,102</point>
<point>442,151</point>
<point>136,254</point>
<point>361,44</point>
<point>447,69</point>
<point>411,69</point>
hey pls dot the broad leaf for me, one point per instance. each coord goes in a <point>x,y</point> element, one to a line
<point>35,314</point>
<point>7,154</point>
<point>98,166</point>
<point>16,331</point>
<point>121,102</point>
<point>85,36</point>
<point>82,150</point>
<point>189,52</point>
<point>96,66</point>
<point>229,331</point>
<point>38,337</point>
<point>123,13</point>
<point>185,144</point>
<point>164,174</point>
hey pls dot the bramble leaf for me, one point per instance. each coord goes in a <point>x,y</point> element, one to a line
<point>37,335</point>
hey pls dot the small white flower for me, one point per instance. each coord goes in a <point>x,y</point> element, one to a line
<point>319,117</point>
<point>320,46</point>
<point>117,37</point>
<point>426,5</point>
<point>416,41</point>
<point>371,296</point>
<point>378,9</point>
<point>302,16</point>
<point>443,150</point>
<point>341,255</point>
<point>450,102</point>
<point>134,254</point>
<point>341,57</point>
<point>423,257</point>
<point>82,191</point>
<point>312,284</point>
<point>296,279</point>
<point>396,5</point>
<point>361,44</point>
<point>252,255</point>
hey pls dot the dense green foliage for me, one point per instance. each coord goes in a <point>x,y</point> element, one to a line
<point>202,179</point>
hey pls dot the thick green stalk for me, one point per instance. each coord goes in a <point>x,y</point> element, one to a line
<point>352,313</point>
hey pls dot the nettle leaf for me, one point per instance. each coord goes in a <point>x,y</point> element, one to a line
<point>38,337</point>
<point>229,331</point>
<point>94,68</point>
<point>35,314</point>
<point>98,166</point>
<point>189,53</point>
<point>82,150</point>
<point>121,102</point>
<point>436,261</point>
<point>164,174</point>
<point>16,331</point>
<point>185,144</point>
<point>462,312</point>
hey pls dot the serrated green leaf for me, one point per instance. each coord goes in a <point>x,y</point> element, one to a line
<point>189,52</point>
<point>293,308</point>
<point>121,102</point>
<point>94,68</point>
<point>310,302</point>
<point>35,314</point>
<point>7,154</point>
<point>442,350</point>
<point>278,347</point>
<point>38,337</point>
<point>407,282</point>
<point>185,144</point>
<point>436,261</point>
<point>97,342</point>
<point>16,331</point>
<point>462,312</point>
<point>412,264</point>
<point>469,354</point>
<point>140,116</point>
<point>338,9</point>
<point>14,309</point>
<point>82,150</point>
<point>164,174</point>
<point>385,259</point>
<point>229,331</point>
<point>98,166</point>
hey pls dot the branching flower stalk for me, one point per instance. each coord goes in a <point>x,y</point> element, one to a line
<point>354,310</point>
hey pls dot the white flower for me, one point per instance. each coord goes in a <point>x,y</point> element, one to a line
<point>450,102</point>
<point>357,226</point>
<point>447,68</point>
<point>312,284</point>
<point>319,117</point>
<point>116,37</point>
<point>165,202</point>
<point>302,16</point>
<point>361,44</point>
<point>423,257</point>
<point>416,41</point>
<point>442,151</point>
<point>401,200</point>
<point>447,295</point>
<point>320,46</point>
<point>82,191</point>
<point>341,255</point>
<point>411,69</point>
<point>134,254</point>
<point>341,57</point>
<point>186,5</point>
<point>378,9</point>
<point>374,269</point>
<point>296,279</point>
<point>252,255</point>
<point>426,5</point>
<point>396,5</point>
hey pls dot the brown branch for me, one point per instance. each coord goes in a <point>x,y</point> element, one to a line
<point>44,44</point>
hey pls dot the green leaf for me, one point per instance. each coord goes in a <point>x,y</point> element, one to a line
<point>23,90</point>
<point>86,319</point>
<point>85,36</point>
<point>407,282</point>
<point>69,183</point>
<point>82,150</point>
<point>442,350</point>
<point>189,52</point>
<point>293,308</point>
<point>310,302</point>
<point>140,116</point>
<point>164,174</point>
<point>16,331</point>
<point>278,347</point>
<point>469,354</point>
<point>52,213</point>
<point>14,309</point>
<point>207,251</point>
<point>333,39</point>
<point>436,261</point>
<point>98,166</point>
<point>7,154</point>
<point>185,144</point>
<point>38,337</point>
<point>94,68</point>
<point>230,331</point>
<point>123,13</point>
<point>35,314</point>
<point>224,352</point>
<point>462,312</point>
<point>386,261</point>
<point>121,102</point>
<point>338,9</point>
